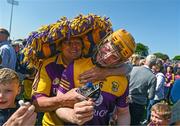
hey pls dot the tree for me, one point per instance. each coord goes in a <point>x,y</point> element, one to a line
<point>161,55</point>
<point>141,49</point>
<point>176,57</point>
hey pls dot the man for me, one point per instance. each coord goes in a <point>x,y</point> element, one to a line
<point>49,75</point>
<point>110,53</point>
<point>7,52</point>
<point>142,86</point>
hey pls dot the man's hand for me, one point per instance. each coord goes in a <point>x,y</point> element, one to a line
<point>24,116</point>
<point>93,75</point>
<point>81,113</point>
<point>70,98</point>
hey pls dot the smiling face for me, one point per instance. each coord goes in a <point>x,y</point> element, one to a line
<point>8,93</point>
<point>71,49</point>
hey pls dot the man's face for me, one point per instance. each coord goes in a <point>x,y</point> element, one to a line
<point>72,49</point>
<point>8,93</point>
<point>3,37</point>
<point>107,55</point>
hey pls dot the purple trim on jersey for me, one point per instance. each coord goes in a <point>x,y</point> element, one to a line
<point>54,71</point>
<point>34,97</point>
<point>67,75</point>
<point>70,74</point>
<point>123,100</point>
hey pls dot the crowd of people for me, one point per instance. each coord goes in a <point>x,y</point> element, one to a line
<point>134,90</point>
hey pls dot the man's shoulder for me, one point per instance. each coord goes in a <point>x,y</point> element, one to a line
<point>5,46</point>
<point>49,60</point>
<point>82,60</point>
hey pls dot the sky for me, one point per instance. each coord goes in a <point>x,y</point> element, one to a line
<point>154,23</point>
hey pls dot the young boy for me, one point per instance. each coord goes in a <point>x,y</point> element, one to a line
<point>160,114</point>
<point>9,89</point>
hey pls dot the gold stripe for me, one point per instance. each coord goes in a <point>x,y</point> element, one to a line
<point>64,81</point>
<point>64,87</point>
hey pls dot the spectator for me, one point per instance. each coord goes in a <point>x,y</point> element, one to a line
<point>175,95</point>
<point>177,76</point>
<point>161,114</point>
<point>159,92</point>
<point>7,52</point>
<point>175,118</point>
<point>9,89</point>
<point>142,86</point>
<point>135,59</point>
<point>169,82</point>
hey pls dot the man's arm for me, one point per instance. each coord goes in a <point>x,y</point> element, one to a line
<point>45,104</point>
<point>123,116</point>
<point>152,88</point>
<point>5,55</point>
<point>98,74</point>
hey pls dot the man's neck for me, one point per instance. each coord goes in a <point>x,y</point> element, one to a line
<point>65,61</point>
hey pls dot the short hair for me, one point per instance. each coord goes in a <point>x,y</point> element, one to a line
<point>151,60</point>
<point>8,75</point>
<point>4,31</point>
<point>134,58</point>
<point>162,109</point>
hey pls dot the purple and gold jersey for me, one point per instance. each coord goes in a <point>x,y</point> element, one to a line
<point>114,90</point>
<point>46,84</point>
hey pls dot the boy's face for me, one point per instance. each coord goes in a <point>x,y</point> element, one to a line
<point>8,93</point>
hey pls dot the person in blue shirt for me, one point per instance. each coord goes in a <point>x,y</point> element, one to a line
<point>175,96</point>
<point>7,52</point>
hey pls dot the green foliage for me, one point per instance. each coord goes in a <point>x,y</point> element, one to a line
<point>161,55</point>
<point>176,57</point>
<point>141,49</point>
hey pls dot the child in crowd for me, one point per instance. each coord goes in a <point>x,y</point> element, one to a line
<point>169,82</point>
<point>9,89</point>
<point>160,114</point>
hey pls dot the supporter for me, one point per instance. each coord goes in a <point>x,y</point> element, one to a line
<point>142,86</point>
<point>161,114</point>
<point>169,82</point>
<point>175,118</point>
<point>7,52</point>
<point>9,90</point>
<point>135,59</point>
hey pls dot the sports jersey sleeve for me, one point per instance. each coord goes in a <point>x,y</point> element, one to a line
<point>42,83</point>
<point>122,101</point>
